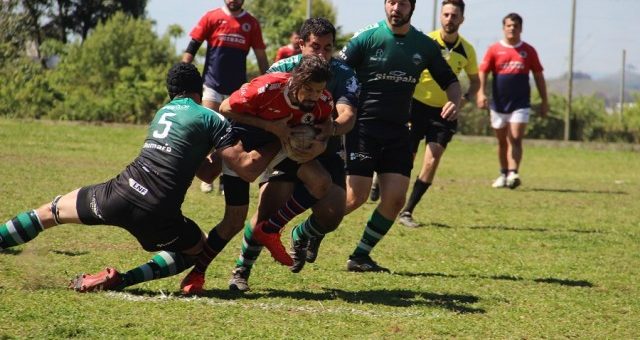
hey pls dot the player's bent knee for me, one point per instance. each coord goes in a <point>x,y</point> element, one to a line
<point>196,249</point>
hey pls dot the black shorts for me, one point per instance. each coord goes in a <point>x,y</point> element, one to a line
<point>427,123</point>
<point>331,161</point>
<point>154,230</point>
<point>369,150</point>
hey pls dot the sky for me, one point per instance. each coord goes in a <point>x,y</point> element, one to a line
<point>603,27</point>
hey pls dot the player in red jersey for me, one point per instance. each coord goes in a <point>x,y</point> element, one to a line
<point>510,62</point>
<point>264,111</point>
<point>230,32</point>
<point>291,49</point>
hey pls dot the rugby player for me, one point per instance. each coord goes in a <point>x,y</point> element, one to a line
<point>388,58</point>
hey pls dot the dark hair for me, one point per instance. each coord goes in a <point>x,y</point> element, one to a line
<point>317,27</point>
<point>312,68</point>
<point>412,2</point>
<point>515,17</point>
<point>182,79</point>
<point>457,3</point>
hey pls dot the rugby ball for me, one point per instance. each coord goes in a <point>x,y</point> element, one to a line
<point>302,136</point>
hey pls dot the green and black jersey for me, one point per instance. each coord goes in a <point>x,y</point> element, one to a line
<point>388,67</point>
<point>179,138</point>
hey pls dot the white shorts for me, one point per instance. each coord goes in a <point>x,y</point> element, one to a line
<point>211,95</point>
<point>500,120</point>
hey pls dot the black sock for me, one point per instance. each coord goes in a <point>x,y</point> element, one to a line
<point>504,171</point>
<point>419,189</point>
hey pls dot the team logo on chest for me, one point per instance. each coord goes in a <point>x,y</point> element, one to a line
<point>307,118</point>
<point>246,27</point>
<point>378,56</point>
<point>523,54</point>
<point>417,59</point>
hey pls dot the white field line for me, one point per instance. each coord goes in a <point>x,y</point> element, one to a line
<point>268,306</point>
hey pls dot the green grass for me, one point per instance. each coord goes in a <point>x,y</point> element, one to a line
<point>558,257</point>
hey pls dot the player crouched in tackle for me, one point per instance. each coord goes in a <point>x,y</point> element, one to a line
<point>282,108</point>
<point>146,197</point>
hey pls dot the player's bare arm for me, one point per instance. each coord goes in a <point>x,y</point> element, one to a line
<point>481,97</point>
<point>278,127</point>
<point>541,84</point>
<point>474,86</point>
<point>450,109</point>
<point>261,58</point>
<point>249,165</point>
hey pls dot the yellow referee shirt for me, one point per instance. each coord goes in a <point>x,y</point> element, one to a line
<point>461,57</point>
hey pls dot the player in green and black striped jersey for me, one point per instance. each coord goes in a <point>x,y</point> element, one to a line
<point>146,197</point>
<point>388,58</point>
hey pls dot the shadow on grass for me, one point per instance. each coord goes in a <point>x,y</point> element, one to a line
<point>10,251</point>
<point>394,297</point>
<point>388,297</point>
<point>508,228</point>
<point>550,280</point>
<point>577,191</point>
<point>223,294</point>
<point>70,253</point>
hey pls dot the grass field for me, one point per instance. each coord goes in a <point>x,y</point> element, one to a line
<point>558,257</point>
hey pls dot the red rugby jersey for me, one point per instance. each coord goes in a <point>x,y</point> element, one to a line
<point>229,39</point>
<point>510,66</point>
<point>267,97</point>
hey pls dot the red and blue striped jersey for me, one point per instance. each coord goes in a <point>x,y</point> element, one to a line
<point>229,39</point>
<point>510,66</point>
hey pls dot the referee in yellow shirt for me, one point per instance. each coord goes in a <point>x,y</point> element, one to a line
<point>429,98</point>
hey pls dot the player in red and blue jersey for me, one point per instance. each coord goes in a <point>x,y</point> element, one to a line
<point>230,32</point>
<point>510,61</point>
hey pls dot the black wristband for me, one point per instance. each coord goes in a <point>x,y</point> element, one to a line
<point>193,47</point>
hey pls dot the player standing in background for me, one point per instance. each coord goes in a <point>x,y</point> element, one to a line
<point>317,38</point>
<point>510,61</point>
<point>388,58</point>
<point>290,49</point>
<point>428,100</point>
<point>146,197</point>
<point>230,32</point>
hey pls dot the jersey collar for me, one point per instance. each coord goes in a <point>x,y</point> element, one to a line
<point>228,13</point>
<point>444,43</point>
<point>505,44</point>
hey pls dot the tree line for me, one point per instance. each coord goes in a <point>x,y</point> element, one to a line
<point>93,60</point>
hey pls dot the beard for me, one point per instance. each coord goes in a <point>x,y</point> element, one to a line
<point>450,28</point>
<point>399,20</point>
<point>234,6</point>
<point>307,106</point>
